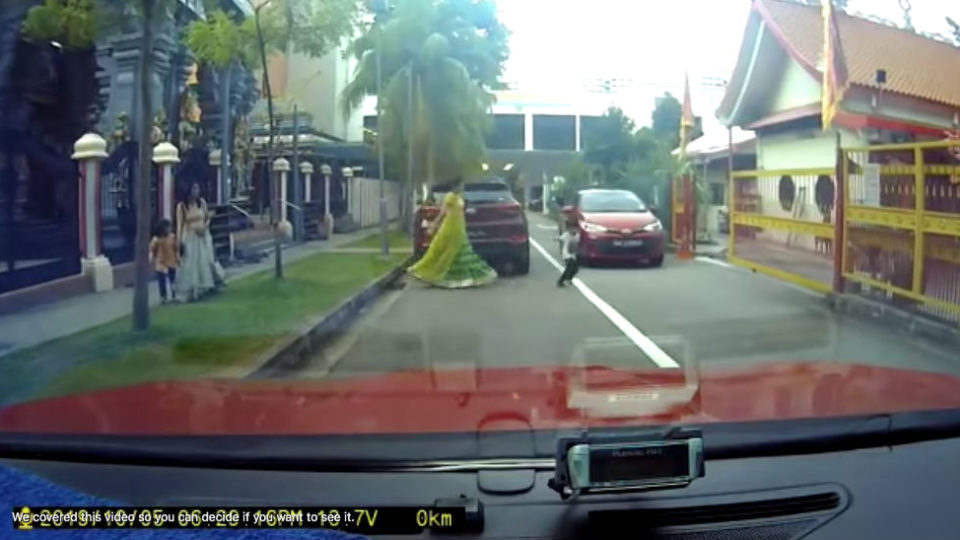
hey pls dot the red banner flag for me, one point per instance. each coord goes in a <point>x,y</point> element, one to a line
<point>835,76</point>
<point>686,118</point>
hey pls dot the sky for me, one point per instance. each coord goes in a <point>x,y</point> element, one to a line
<point>650,44</point>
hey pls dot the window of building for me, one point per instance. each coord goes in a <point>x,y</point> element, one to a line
<point>718,194</point>
<point>588,129</point>
<point>506,132</point>
<point>554,132</point>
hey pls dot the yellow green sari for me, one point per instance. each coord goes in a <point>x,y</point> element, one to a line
<point>450,261</point>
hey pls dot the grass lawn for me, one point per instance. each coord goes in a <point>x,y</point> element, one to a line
<point>398,240</point>
<point>188,341</point>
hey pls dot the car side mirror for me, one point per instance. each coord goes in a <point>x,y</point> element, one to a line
<point>654,209</point>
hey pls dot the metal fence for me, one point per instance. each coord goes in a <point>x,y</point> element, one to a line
<point>782,224</point>
<point>902,225</point>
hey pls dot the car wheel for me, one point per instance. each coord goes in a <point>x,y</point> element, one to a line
<point>656,262</point>
<point>522,265</point>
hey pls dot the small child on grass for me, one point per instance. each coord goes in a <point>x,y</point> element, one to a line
<point>165,259</point>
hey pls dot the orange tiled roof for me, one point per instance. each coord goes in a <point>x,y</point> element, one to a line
<point>916,65</point>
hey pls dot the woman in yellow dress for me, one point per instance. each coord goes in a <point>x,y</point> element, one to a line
<point>450,261</point>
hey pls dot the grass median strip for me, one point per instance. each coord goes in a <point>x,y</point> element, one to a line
<point>397,240</point>
<point>188,341</point>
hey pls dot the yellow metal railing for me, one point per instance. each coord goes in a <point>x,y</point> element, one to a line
<point>780,206</point>
<point>912,220</point>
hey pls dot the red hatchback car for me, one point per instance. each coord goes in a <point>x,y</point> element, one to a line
<point>615,225</point>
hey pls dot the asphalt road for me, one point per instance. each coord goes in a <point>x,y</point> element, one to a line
<point>686,313</point>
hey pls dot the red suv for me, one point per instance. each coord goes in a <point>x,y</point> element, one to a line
<point>496,223</point>
<point>616,225</point>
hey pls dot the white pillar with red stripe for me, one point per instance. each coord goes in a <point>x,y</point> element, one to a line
<point>165,155</point>
<point>326,170</point>
<point>306,169</point>
<point>89,151</point>
<point>282,166</point>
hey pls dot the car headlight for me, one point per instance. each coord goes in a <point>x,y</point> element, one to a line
<point>593,227</point>
<point>655,226</point>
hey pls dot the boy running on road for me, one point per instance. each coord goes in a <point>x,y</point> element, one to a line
<point>569,245</point>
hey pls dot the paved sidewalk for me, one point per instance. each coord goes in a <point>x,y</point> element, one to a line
<point>59,319</point>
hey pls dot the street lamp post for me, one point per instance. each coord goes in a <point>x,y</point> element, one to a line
<point>380,8</point>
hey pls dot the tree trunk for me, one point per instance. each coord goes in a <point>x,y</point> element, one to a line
<point>141,295</point>
<point>431,161</point>
<point>275,192</point>
<point>407,209</point>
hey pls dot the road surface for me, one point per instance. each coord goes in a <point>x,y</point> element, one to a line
<point>701,313</point>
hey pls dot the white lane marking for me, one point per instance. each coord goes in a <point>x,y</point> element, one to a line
<point>717,262</point>
<point>798,288</point>
<point>645,344</point>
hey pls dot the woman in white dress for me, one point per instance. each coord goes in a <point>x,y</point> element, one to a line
<point>198,273</point>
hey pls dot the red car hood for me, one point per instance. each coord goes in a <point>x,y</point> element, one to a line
<point>620,220</point>
<point>465,400</point>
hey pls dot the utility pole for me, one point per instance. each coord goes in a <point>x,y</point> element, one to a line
<point>410,141</point>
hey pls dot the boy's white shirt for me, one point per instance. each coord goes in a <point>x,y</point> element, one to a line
<point>567,238</point>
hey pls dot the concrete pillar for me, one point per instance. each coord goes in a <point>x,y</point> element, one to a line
<point>306,169</point>
<point>576,133</point>
<point>326,171</point>
<point>165,155</point>
<point>89,151</point>
<point>215,158</point>
<point>527,132</point>
<point>546,196</point>
<point>348,193</point>
<point>282,166</point>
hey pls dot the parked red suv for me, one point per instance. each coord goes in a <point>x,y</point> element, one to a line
<point>616,225</point>
<point>496,223</point>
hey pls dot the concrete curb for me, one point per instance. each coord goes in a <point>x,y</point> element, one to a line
<point>293,352</point>
<point>893,317</point>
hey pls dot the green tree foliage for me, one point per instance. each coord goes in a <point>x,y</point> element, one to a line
<point>611,142</point>
<point>309,27</point>
<point>77,24</point>
<point>618,155</point>
<point>955,30</point>
<point>666,121</point>
<point>440,59</point>
<point>74,24</point>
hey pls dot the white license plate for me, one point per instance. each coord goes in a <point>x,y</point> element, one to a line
<point>627,243</point>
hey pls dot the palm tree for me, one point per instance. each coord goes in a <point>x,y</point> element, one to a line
<point>437,83</point>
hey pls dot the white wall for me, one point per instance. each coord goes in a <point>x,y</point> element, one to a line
<point>802,149</point>
<point>315,84</point>
<point>365,200</point>
<point>796,88</point>
<point>797,150</point>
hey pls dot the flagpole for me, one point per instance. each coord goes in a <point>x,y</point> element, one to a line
<point>685,250</point>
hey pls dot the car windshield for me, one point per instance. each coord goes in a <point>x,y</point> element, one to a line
<point>674,213</point>
<point>611,201</point>
<point>479,192</point>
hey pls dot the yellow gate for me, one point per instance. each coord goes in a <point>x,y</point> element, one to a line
<point>902,225</point>
<point>782,224</point>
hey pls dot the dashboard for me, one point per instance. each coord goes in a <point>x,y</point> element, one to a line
<point>895,492</point>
